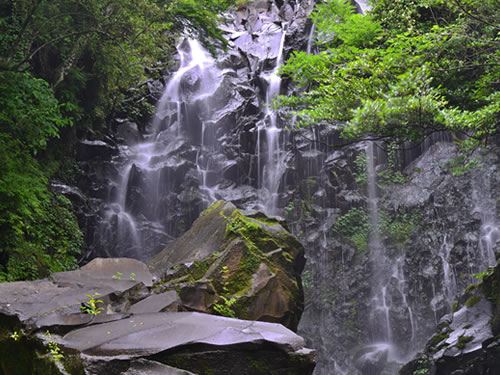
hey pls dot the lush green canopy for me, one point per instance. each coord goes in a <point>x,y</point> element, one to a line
<point>403,71</point>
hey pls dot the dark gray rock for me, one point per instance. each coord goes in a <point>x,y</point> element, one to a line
<point>372,360</point>
<point>88,149</point>
<point>145,367</point>
<point>164,302</point>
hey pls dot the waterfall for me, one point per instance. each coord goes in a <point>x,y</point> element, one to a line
<point>485,207</point>
<point>310,39</point>
<point>137,219</point>
<point>381,324</point>
<point>388,279</point>
<point>274,166</point>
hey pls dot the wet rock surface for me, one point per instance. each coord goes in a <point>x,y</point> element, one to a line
<point>466,341</point>
<point>206,146</point>
<point>436,229</point>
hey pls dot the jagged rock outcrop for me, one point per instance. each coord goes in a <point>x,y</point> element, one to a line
<point>108,317</point>
<point>247,265</point>
<point>215,154</point>
<point>467,340</point>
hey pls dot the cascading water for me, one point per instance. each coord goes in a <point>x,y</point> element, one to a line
<point>381,325</point>
<point>215,137</point>
<point>485,207</point>
<point>274,167</point>
<point>388,280</point>
<point>137,216</point>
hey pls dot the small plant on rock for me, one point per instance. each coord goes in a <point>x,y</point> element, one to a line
<point>90,307</point>
<point>54,349</point>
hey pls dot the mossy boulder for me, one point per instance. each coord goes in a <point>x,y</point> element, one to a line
<point>252,262</point>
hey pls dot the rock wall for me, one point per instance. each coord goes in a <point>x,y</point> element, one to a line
<point>436,231</point>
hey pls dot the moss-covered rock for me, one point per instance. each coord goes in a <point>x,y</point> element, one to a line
<point>252,261</point>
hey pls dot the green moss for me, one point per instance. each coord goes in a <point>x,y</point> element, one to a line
<point>240,282</point>
<point>437,338</point>
<point>463,340</point>
<point>265,220</point>
<point>472,301</point>
<point>212,207</point>
<point>260,366</point>
<point>491,288</point>
<point>454,307</point>
<point>470,288</point>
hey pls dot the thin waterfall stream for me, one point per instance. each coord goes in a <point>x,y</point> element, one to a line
<point>273,167</point>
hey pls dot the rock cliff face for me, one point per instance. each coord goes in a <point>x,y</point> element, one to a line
<point>435,230</point>
<point>213,136</point>
<point>391,236</point>
<point>112,316</point>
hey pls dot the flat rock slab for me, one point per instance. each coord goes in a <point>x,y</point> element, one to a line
<point>62,294</point>
<point>148,334</point>
<point>168,301</point>
<point>107,270</point>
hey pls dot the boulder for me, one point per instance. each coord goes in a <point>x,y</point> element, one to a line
<point>243,266</point>
<point>372,359</point>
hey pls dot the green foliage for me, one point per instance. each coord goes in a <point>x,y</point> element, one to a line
<point>69,63</point>
<point>53,349</point>
<point>408,69</point>
<point>349,28</point>
<point>90,307</point>
<point>360,169</point>
<point>117,276</point>
<point>481,275</point>
<point>355,227</point>
<point>398,227</point>
<point>392,173</point>
<point>38,232</point>
<point>29,113</point>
